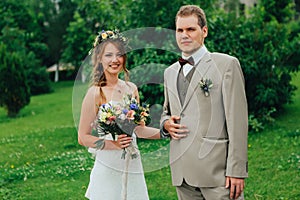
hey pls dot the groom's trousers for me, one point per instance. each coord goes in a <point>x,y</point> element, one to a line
<point>187,192</point>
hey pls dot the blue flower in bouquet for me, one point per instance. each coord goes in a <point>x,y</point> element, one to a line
<point>133,106</point>
<point>125,111</point>
<point>122,118</point>
<point>117,119</point>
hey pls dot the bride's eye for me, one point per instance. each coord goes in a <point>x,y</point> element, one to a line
<point>108,55</point>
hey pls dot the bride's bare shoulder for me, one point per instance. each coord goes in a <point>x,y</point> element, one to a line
<point>131,85</point>
<point>93,91</point>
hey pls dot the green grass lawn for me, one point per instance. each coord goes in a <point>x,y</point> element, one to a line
<point>274,156</point>
<point>40,157</point>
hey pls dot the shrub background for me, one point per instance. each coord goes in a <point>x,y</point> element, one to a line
<point>265,38</point>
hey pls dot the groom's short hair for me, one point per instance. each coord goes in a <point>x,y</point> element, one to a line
<point>189,10</point>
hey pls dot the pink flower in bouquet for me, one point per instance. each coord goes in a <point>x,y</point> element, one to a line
<point>130,114</point>
<point>144,114</point>
<point>112,118</point>
<point>122,119</point>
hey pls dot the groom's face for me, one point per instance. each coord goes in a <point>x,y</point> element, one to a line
<point>189,35</point>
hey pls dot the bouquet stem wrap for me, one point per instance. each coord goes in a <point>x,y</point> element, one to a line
<point>132,150</point>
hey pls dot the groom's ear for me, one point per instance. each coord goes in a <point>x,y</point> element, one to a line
<point>204,31</point>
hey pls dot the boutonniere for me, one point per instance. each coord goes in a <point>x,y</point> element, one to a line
<point>206,85</point>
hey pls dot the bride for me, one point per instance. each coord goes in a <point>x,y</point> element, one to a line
<point>111,178</point>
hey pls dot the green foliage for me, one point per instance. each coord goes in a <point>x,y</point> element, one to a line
<point>258,124</point>
<point>77,45</point>
<point>58,15</point>
<point>265,50</point>
<point>265,39</point>
<point>15,92</point>
<point>155,13</point>
<point>254,124</point>
<point>161,13</point>
<point>280,10</point>
<point>89,18</point>
<point>21,34</point>
<point>38,80</point>
<point>148,76</point>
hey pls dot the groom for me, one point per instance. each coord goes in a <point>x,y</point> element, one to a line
<point>205,114</point>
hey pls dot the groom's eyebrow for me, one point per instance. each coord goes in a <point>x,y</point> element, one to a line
<point>191,28</point>
<point>179,29</point>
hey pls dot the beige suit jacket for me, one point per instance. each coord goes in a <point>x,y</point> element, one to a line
<point>216,145</point>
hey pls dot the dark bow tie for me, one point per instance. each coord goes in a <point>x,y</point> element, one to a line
<point>184,61</point>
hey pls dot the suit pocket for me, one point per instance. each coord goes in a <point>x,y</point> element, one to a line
<point>213,148</point>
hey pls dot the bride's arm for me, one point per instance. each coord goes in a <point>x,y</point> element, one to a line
<point>143,131</point>
<point>147,132</point>
<point>88,114</point>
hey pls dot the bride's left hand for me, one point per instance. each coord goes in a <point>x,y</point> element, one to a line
<point>123,141</point>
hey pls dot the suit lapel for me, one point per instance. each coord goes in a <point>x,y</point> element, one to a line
<point>200,70</point>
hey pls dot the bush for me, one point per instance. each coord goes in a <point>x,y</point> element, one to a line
<point>15,92</point>
<point>20,33</point>
<point>264,50</point>
<point>38,81</point>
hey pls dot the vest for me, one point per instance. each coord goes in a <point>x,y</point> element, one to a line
<point>183,83</point>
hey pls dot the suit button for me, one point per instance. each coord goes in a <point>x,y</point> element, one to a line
<point>182,115</point>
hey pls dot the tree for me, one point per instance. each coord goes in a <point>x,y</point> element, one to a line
<point>78,41</point>
<point>265,41</point>
<point>21,34</point>
<point>90,17</point>
<point>266,51</point>
<point>15,92</point>
<point>281,10</point>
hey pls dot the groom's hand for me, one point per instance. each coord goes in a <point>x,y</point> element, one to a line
<point>236,186</point>
<point>176,130</point>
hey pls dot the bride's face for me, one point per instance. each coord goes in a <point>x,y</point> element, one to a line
<point>112,59</point>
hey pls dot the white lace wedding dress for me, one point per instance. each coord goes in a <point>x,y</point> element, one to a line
<point>109,179</point>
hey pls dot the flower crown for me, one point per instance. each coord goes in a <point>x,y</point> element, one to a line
<point>114,35</point>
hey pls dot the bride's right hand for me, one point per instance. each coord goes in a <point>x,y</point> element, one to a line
<point>123,141</point>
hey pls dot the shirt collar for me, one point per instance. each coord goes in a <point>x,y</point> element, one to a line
<point>197,55</point>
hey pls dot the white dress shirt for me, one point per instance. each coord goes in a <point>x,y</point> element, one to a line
<point>196,56</point>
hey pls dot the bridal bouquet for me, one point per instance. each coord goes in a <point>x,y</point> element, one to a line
<point>122,118</point>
